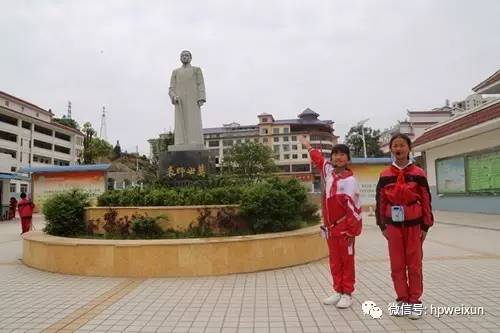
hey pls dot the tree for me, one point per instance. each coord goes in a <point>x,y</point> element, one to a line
<point>161,144</point>
<point>67,122</point>
<point>248,160</point>
<point>354,140</point>
<point>101,148</point>
<point>93,147</point>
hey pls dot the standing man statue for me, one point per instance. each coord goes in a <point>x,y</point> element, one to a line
<point>187,93</point>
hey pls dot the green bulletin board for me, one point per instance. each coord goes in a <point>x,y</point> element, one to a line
<point>483,172</point>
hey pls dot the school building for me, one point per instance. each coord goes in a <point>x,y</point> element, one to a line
<point>462,156</point>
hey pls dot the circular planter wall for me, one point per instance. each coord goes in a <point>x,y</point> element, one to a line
<point>172,257</point>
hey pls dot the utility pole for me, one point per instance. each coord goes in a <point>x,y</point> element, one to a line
<point>137,159</point>
<point>362,123</point>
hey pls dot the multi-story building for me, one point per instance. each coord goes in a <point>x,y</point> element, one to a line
<point>282,136</point>
<point>29,134</point>
<point>416,124</point>
<point>471,102</point>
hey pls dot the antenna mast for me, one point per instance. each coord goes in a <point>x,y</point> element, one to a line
<point>102,132</point>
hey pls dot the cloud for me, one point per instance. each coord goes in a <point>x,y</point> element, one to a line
<point>346,60</point>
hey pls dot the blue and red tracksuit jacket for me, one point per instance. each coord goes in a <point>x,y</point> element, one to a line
<point>406,187</point>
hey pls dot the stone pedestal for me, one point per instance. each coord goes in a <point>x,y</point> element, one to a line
<point>186,159</point>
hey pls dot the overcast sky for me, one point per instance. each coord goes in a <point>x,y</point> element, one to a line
<point>346,60</point>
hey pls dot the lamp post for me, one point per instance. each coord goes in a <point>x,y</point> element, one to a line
<point>361,123</point>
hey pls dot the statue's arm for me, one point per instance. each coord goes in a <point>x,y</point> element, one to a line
<point>200,83</point>
<point>171,89</point>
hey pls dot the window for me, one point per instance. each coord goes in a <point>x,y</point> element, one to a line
<point>295,156</point>
<point>286,147</point>
<point>43,130</point>
<point>60,162</point>
<point>305,156</point>
<point>264,119</point>
<point>62,149</point>
<point>276,139</point>
<point>286,156</point>
<point>276,131</point>
<point>294,147</point>
<point>227,143</point>
<point>41,159</point>
<point>13,187</point>
<point>284,168</point>
<point>13,153</point>
<point>8,119</point>
<point>277,157</point>
<point>264,131</point>
<point>24,188</point>
<point>264,140</point>
<point>42,144</point>
<point>294,138</point>
<point>8,136</point>
<point>213,143</point>
<point>256,140</point>
<point>285,139</point>
<point>13,169</point>
<point>301,168</point>
<point>111,184</point>
<point>26,125</point>
<point>6,103</point>
<point>276,149</point>
<point>63,136</point>
<point>286,130</point>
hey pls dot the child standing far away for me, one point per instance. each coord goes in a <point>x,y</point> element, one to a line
<point>25,208</point>
<point>341,219</point>
<point>404,215</point>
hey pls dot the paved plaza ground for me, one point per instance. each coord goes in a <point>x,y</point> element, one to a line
<point>461,266</point>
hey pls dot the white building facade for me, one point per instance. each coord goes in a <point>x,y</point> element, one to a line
<point>29,134</point>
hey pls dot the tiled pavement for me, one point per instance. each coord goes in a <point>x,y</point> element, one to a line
<point>461,266</point>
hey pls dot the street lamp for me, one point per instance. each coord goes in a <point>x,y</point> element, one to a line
<point>361,123</point>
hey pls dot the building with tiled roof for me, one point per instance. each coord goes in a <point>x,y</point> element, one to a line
<point>281,135</point>
<point>462,156</point>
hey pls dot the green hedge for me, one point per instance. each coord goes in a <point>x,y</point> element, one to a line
<point>269,205</point>
<point>172,196</point>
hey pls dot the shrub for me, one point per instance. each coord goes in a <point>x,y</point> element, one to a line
<point>64,213</point>
<point>309,213</point>
<point>145,227</point>
<point>268,207</point>
<point>116,227</point>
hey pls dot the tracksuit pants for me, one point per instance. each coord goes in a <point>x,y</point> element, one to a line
<point>405,253</point>
<point>26,224</point>
<point>342,263</point>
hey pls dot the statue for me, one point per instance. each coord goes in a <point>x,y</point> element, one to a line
<point>187,93</point>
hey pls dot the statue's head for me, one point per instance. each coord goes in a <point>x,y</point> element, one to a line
<point>186,57</point>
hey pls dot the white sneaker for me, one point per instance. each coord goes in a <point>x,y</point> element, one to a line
<point>332,300</point>
<point>399,309</point>
<point>416,312</point>
<point>344,302</point>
